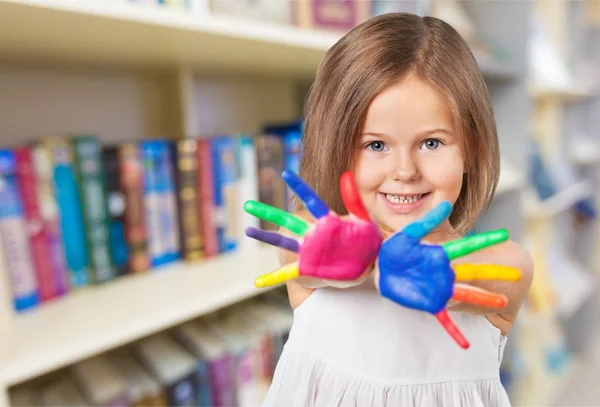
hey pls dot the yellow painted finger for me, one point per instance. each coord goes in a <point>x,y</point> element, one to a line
<point>279,276</point>
<point>466,272</point>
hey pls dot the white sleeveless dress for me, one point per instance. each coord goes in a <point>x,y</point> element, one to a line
<point>352,347</point>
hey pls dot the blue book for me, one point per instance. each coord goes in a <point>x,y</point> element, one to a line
<point>15,240</point>
<point>165,167</point>
<point>225,173</point>
<point>156,248</point>
<point>71,217</point>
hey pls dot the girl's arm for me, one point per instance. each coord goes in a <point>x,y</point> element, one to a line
<point>506,254</point>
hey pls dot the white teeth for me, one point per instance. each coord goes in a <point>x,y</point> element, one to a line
<point>397,199</point>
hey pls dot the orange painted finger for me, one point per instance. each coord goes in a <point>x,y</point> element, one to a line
<point>351,197</point>
<point>479,297</point>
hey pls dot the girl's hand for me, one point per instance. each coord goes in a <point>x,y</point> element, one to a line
<point>420,276</point>
<point>334,248</point>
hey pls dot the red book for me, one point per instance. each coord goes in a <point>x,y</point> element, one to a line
<point>39,242</point>
<point>206,198</point>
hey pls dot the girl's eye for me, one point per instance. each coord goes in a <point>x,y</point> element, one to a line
<point>431,144</point>
<point>377,146</point>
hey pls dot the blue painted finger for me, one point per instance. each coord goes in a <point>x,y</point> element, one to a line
<point>311,200</point>
<point>422,227</point>
<point>273,238</point>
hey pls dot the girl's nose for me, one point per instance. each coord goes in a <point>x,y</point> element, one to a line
<point>405,169</point>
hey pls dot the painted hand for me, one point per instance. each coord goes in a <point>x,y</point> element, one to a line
<point>420,276</point>
<point>334,248</point>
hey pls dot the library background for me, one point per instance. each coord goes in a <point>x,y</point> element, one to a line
<point>132,131</point>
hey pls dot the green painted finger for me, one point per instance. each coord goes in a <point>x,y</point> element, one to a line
<point>276,216</point>
<point>464,246</point>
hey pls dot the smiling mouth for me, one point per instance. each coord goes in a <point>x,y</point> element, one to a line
<point>404,199</point>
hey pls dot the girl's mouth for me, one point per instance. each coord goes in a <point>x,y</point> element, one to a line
<point>403,204</point>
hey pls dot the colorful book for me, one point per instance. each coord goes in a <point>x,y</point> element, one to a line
<point>331,15</point>
<point>189,214</point>
<point>131,171</point>
<point>271,188</point>
<point>152,202</point>
<point>66,192</point>
<point>92,189</point>
<point>50,284</point>
<point>15,241</point>
<point>50,217</point>
<point>215,364</point>
<point>248,187</point>
<point>115,204</point>
<point>225,192</point>
<point>169,214</point>
<point>206,198</point>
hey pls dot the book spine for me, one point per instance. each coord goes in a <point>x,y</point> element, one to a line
<point>72,226</point>
<point>292,155</point>
<point>152,205</point>
<point>223,387</point>
<point>115,204</point>
<point>206,198</point>
<point>189,219</point>
<point>50,216</point>
<point>132,186</point>
<point>15,243</point>
<point>271,188</point>
<point>39,244</point>
<point>226,192</point>
<point>248,188</point>
<point>168,202</point>
<point>92,188</point>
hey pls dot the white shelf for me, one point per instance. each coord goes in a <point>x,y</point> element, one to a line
<point>118,33</point>
<point>115,33</point>
<point>575,93</point>
<point>100,318</point>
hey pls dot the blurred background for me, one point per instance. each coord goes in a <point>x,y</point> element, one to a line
<point>132,131</point>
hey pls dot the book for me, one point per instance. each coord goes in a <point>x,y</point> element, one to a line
<point>66,193</point>
<point>169,214</point>
<point>143,390</point>
<point>206,199</point>
<point>331,15</point>
<point>226,196</point>
<point>247,186</point>
<point>99,382</point>
<point>152,203</point>
<point>50,217</point>
<point>61,391</point>
<point>271,187</point>
<point>91,181</point>
<point>115,204</point>
<point>189,214</point>
<point>15,242</point>
<point>50,284</point>
<point>173,366</point>
<point>132,186</point>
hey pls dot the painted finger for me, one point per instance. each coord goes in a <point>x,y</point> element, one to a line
<point>467,245</point>
<point>479,297</point>
<point>431,220</point>
<point>351,197</point>
<point>452,329</point>
<point>285,273</point>
<point>311,200</point>
<point>276,216</point>
<point>467,272</point>
<point>273,238</point>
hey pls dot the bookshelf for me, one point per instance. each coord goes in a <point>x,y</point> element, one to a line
<point>100,318</point>
<point>133,71</point>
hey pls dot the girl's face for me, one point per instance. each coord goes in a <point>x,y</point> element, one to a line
<point>409,156</point>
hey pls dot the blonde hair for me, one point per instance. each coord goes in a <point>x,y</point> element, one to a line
<point>374,56</point>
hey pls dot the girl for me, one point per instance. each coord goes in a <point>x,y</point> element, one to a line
<point>399,101</point>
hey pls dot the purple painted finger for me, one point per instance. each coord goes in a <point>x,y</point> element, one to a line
<point>273,238</point>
